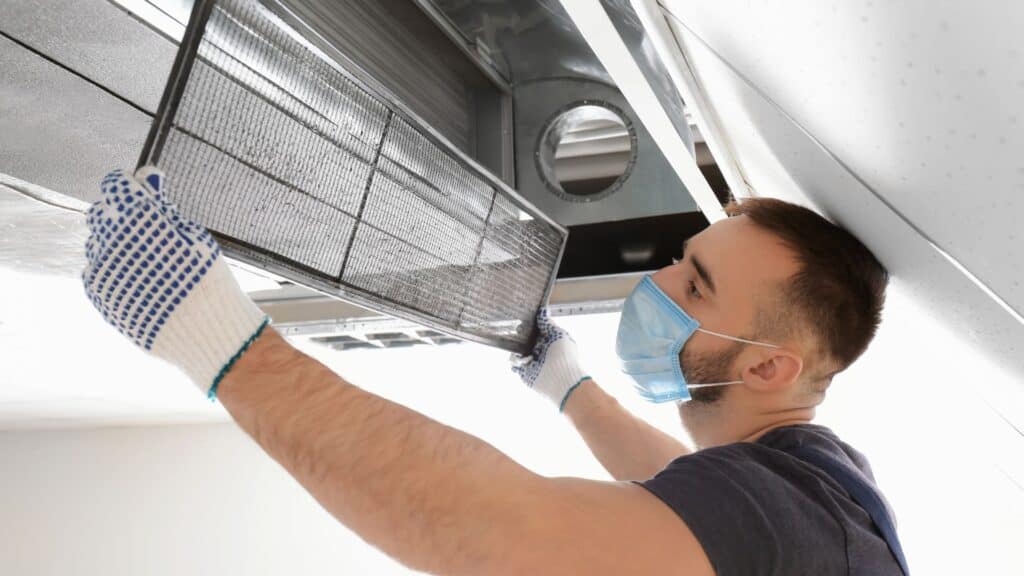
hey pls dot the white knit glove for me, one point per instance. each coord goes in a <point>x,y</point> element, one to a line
<point>159,278</point>
<point>552,369</point>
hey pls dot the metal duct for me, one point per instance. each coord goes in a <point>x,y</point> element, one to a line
<point>402,49</point>
<point>303,166</point>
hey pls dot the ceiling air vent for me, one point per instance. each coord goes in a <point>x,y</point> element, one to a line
<point>402,339</point>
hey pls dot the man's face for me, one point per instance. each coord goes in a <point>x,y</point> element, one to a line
<point>725,271</point>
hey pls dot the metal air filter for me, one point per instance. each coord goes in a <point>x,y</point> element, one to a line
<point>303,165</point>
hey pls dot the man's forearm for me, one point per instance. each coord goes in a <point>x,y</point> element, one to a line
<point>627,447</point>
<point>424,493</point>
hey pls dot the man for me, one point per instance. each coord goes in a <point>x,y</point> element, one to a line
<point>762,311</point>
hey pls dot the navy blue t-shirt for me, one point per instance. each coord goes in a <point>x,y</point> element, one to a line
<point>757,510</point>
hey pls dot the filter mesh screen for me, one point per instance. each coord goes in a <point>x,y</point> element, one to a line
<point>301,167</point>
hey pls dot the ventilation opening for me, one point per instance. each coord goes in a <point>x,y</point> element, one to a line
<point>391,339</point>
<point>586,152</point>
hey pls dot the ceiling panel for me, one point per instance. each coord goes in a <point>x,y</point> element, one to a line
<point>58,130</point>
<point>97,40</point>
<point>923,102</point>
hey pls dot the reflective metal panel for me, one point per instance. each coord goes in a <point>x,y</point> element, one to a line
<point>632,32</point>
<point>551,69</point>
<point>307,169</point>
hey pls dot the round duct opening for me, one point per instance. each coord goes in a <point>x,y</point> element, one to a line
<point>586,151</point>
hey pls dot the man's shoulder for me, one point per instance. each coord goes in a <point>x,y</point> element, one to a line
<point>793,515</point>
<point>776,449</point>
<point>788,439</point>
<point>773,448</point>
<point>765,475</point>
<point>785,509</point>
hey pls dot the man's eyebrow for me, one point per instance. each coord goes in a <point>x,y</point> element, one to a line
<point>701,270</point>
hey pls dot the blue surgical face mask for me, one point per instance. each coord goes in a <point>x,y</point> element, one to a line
<point>652,332</point>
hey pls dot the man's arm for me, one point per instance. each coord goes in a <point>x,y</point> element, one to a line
<point>430,496</point>
<point>438,499</point>
<point>629,448</point>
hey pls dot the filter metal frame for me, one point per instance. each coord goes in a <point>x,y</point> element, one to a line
<point>300,31</point>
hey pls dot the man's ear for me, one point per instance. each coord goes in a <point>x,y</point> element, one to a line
<point>777,370</point>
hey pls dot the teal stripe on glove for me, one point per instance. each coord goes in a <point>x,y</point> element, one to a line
<point>160,279</point>
<point>552,369</point>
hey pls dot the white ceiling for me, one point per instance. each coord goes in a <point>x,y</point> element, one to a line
<point>923,101</point>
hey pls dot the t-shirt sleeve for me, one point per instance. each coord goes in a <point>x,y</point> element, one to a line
<point>754,511</point>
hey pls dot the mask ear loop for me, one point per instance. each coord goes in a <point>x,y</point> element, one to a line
<point>714,384</point>
<point>735,339</point>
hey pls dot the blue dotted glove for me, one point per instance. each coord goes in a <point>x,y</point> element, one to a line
<point>552,368</point>
<point>159,278</point>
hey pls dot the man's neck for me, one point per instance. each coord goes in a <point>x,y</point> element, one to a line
<point>709,427</point>
<point>757,434</point>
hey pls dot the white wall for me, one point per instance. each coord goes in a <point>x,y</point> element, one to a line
<point>198,499</point>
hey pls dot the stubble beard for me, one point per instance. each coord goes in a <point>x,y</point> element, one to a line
<point>706,368</point>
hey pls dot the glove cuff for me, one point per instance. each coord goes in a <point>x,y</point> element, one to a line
<point>561,373</point>
<point>210,329</point>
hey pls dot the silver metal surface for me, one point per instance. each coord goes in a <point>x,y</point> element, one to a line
<point>600,31</point>
<point>95,39</point>
<point>474,48</point>
<point>312,40</point>
<point>586,153</point>
<point>631,31</point>
<point>651,188</point>
<point>700,114</point>
<point>306,170</point>
<point>550,67</point>
<point>399,46</point>
<point>402,48</point>
<point>525,39</point>
<point>58,129</point>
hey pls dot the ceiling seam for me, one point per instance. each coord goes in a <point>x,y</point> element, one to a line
<point>74,72</point>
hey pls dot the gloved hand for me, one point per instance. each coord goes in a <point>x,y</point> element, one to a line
<point>159,278</point>
<point>552,369</point>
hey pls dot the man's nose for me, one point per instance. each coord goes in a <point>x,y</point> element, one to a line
<point>659,277</point>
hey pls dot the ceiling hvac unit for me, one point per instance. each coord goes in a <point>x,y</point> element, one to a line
<point>424,158</point>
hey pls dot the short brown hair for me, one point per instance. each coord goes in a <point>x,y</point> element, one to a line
<point>837,295</point>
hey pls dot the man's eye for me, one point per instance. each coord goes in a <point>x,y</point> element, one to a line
<point>694,292</point>
<point>676,261</point>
